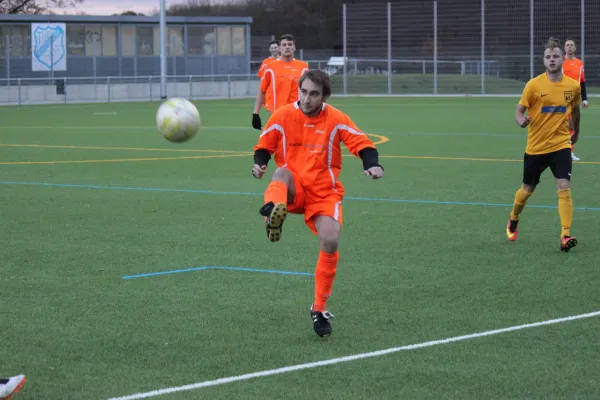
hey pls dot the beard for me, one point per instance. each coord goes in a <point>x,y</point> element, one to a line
<point>311,110</point>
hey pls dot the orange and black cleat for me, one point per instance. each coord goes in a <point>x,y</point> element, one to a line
<point>567,243</point>
<point>274,216</point>
<point>511,230</point>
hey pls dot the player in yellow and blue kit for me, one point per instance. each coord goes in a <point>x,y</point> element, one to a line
<point>548,99</point>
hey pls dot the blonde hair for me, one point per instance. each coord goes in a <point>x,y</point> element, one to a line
<point>553,43</point>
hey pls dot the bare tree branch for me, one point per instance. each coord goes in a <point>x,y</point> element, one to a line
<point>34,6</point>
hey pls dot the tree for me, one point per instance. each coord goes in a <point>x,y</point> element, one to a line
<point>34,6</point>
<point>315,23</point>
<point>130,13</point>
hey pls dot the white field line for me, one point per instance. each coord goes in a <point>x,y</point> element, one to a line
<point>298,367</point>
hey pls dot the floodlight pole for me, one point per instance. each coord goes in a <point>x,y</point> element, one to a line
<point>163,50</point>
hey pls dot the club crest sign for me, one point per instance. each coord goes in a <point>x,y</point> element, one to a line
<point>48,47</point>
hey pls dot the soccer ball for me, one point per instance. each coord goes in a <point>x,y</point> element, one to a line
<point>177,120</point>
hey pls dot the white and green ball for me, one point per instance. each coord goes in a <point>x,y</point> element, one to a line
<point>177,120</point>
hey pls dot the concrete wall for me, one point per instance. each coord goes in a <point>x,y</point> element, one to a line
<point>82,93</point>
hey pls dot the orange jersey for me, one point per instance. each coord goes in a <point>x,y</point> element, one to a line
<point>574,69</point>
<point>261,73</point>
<point>280,80</point>
<point>263,66</point>
<point>311,147</point>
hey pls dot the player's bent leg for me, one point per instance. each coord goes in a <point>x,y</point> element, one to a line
<point>280,192</point>
<point>521,197</point>
<point>329,231</point>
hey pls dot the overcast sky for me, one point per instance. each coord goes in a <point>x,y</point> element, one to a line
<point>109,7</point>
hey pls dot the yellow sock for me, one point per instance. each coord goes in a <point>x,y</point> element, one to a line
<point>565,210</point>
<point>520,200</point>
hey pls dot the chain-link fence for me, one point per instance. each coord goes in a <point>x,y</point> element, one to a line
<point>444,47</point>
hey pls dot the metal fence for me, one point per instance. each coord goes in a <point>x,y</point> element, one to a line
<point>25,91</point>
<point>451,47</point>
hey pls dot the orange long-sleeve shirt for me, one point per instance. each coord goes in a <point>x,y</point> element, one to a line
<point>574,69</point>
<point>280,82</point>
<point>311,147</point>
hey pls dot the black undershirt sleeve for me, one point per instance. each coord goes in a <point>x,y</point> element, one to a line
<point>261,157</point>
<point>583,92</point>
<point>369,157</point>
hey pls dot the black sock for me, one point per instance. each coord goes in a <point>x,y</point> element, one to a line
<point>3,381</point>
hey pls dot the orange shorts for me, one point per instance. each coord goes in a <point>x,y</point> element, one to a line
<point>311,205</point>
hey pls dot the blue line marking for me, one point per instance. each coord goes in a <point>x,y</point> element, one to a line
<point>176,271</point>
<point>216,192</point>
<point>173,271</point>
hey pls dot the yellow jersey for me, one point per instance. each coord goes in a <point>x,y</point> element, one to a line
<point>549,105</point>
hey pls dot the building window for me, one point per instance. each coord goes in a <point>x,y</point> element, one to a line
<point>201,40</point>
<point>238,40</point>
<point>20,40</point>
<point>156,40</point>
<point>109,40</point>
<point>3,38</point>
<point>224,41</point>
<point>93,40</point>
<point>145,40</point>
<point>175,41</point>
<point>128,40</point>
<point>76,39</point>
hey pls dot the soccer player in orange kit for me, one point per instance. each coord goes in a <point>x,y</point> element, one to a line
<point>274,50</point>
<point>279,80</point>
<point>573,68</point>
<point>306,138</point>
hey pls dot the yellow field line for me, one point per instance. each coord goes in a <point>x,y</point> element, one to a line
<point>382,139</point>
<point>48,146</point>
<point>119,160</point>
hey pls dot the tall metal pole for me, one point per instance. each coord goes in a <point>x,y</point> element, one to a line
<point>435,49</point>
<point>163,50</point>
<point>389,45</point>
<point>531,40</point>
<point>482,46</point>
<point>345,44</point>
<point>582,53</point>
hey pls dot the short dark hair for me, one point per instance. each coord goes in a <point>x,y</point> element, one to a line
<point>571,39</point>
<point>274,42</point>
<point>287,36</point>
<point>320,78</point>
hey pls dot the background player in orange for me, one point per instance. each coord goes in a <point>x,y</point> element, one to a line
<point>548,99</point>
<point>274,50</point>
<point>306,138</point>
<point>280,79</point>
<point>573,68</point>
